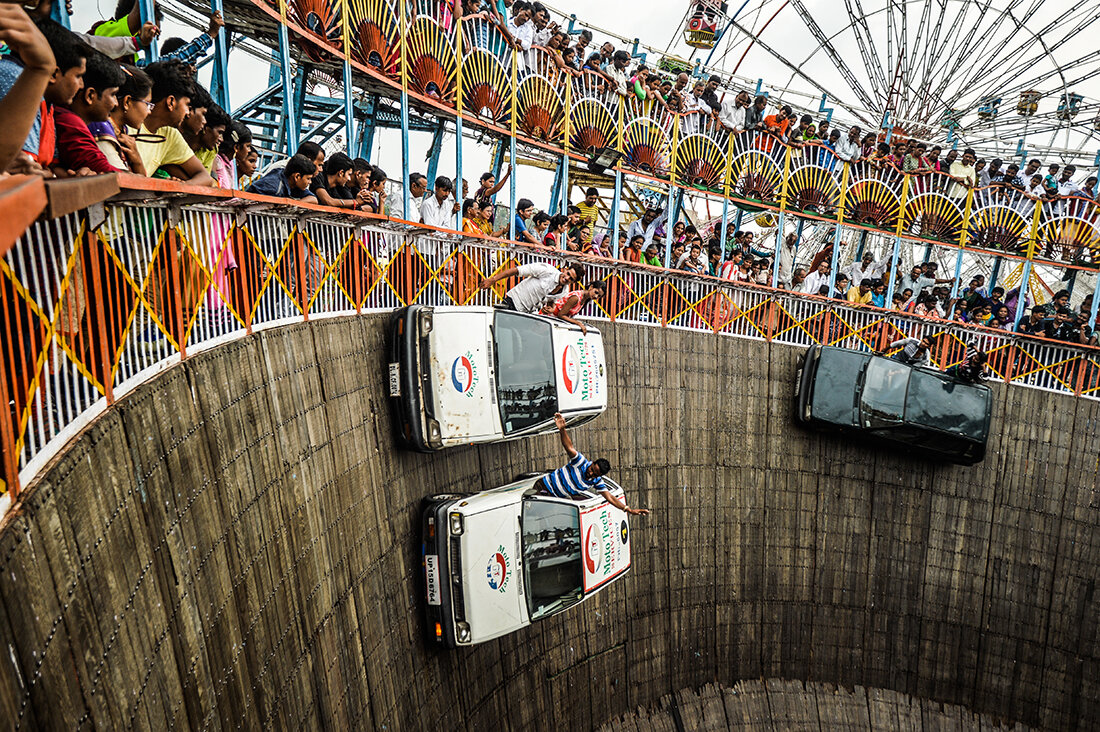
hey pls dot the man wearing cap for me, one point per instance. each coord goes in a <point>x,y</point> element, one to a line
<point>580,475</point>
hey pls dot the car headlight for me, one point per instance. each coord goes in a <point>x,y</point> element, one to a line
<point>457,524</point>
<point>435,434</point>
<point>463,632</point>
<point>426,322</point>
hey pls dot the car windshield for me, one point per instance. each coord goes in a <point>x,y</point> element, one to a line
<point>882,401</point>
<point>525,371</point>
<point>551,556</point>
<point>947,405</point>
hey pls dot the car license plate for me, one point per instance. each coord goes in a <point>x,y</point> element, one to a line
<point>395,379</point>
<point>431,571</point>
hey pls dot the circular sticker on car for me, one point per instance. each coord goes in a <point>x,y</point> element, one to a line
<point>569,369</point>
<point>593,549</point>
<point>622,530</point>
<point>462,374</point>
<point>497,571</point>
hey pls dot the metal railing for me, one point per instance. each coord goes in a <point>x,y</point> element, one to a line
<point>97,302</point>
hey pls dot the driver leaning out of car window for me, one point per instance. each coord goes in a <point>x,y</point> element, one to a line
<point>540,281</point>
<point>914,351</point>
<point>580,475</point>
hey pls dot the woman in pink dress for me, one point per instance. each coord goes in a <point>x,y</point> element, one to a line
<point>571,303</point>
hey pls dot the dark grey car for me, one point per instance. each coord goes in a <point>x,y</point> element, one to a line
<point>919,410</point>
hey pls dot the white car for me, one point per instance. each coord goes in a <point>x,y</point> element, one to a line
<point>502,559</point>
<point>465,375</point>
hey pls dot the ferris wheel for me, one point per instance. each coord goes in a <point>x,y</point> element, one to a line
<point>1011,75</point>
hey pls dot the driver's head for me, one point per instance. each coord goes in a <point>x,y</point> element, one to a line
<point>597,468</point>
<point>925,343</point>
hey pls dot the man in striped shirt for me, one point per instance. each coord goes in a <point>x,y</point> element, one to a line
<point>581,475</point>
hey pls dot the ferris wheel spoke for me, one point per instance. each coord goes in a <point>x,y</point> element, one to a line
<point>830,50</point>
<point>867,49</point>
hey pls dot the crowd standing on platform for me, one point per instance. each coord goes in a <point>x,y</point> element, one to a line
<point>81,104</point>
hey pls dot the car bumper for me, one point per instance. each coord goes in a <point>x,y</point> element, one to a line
<point>440,618</point>
<point>408,409</point>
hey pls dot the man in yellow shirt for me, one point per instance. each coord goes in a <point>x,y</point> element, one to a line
<point>159,141</point>
<point>590,211</point>
<point>860,294</point>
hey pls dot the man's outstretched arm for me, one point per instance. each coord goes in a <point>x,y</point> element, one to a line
<point>566,442</point>
<point>610,498</point>
<point>502,275</point>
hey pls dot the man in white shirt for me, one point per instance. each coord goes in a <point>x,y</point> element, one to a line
<point>964,175</point>
<point>540,281</point>
<point>868,269</point>
<point>439,210</point>
<point>849,148</point>
<point>1023,178</point>
<point>395,201</point>
<point>647,226</point>
<point>733,113</point>
<point>616,72</point>
<point>786,260</point>
<point>817,279</point>
<point>523,31</point>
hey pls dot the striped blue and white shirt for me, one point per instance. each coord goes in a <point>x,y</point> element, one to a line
<point>569,480</point>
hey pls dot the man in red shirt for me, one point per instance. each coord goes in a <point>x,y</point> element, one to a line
<point>76,147</point>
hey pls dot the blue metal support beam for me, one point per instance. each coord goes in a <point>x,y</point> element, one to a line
<point>778,247</point>
<point>995,275</point>
<point>668,223</point>
<point>512,187</point>
<point>835,259</point>
<point>433,159</point>
<point>556,188</point>
<point>893,271</point>
<point>290,116</point>
<point>60,14</point>
<point>219,75</point>
<point>458,168</point>
<point>1025,281</point>
<point>349,107</point>
<point>724,231</point>
<point>148,15</point>
<point>616,201</point>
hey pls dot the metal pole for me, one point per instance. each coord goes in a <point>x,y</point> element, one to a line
<point>725,227</point>
<point>835,259</point>
<point>668,224</point>
<point>778,248</point>
<point>512,151</point>
<point>149,16</point>
<point>60,14</point>
<point>893,269</point>
<point>404,21</point>
<point>433,158</point>
<point>290,119</point>
<point>1095,303</point>
<point>615,201</point>
<point>458,166</point>
<point>458,117</point>
<point>349,105</point>
<point>995,273</point>
<point>219,76</point>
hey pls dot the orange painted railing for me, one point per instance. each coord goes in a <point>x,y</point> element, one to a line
<point>98,301</point>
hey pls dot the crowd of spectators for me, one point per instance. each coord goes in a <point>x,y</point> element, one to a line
<point>84,104</point>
